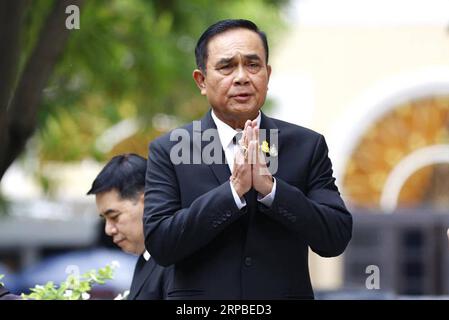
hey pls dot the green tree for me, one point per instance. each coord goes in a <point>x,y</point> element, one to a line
<point>130,59</point>
<point>26,68</point>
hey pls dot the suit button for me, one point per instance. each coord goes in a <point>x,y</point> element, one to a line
<point>228,214</point>
<point>248,261</point>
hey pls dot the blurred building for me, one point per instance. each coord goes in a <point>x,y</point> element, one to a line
<point>373,77</point>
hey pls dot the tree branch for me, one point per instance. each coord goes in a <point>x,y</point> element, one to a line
<point>11,21</point>
<point>23,111</point>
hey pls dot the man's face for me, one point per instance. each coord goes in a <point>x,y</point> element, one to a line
<point>123,220</point>
<point>236,77</point>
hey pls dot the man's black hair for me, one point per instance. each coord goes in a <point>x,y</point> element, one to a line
<point>220,27</point>
<point>125,173</point>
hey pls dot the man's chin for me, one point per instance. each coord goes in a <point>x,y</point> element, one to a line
<point>122,245</point>
<point>127,249</point>
<point>247,107</point>
<point>246,111</point>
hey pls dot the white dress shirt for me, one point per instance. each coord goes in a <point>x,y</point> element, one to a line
<point>146,255</point>
<point>226,134</point>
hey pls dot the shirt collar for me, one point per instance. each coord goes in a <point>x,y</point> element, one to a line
<point>225,131</point>
<point>146,255</point>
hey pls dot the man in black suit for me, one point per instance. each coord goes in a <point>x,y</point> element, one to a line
<point>118,190</point>
<point>237,215</point>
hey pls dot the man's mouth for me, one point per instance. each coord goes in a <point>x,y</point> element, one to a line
<point>241,97</point>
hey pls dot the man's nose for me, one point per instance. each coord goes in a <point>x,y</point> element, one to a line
<point>241,77</point>
<point>110,228</point>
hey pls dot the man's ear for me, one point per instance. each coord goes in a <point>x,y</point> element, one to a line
<point>141,198</point>
<point>269,71</point>
<point>199,78</point>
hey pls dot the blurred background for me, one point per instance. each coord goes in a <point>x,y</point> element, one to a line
<point>372,76</point>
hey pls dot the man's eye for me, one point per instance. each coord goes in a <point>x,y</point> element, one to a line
<point>226,69</point>
<point>253,66</point>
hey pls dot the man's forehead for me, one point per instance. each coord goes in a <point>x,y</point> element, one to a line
<point>249,56</point>
<point>108,195</point>
<point>110,199</point>
<point>233,42</point>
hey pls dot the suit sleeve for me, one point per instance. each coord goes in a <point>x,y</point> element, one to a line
<point>319,214</point>
<point>6,295</point>
<point>172,232</point>
<point>3,291</point>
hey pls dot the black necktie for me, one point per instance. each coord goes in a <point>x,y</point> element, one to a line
<point>237,137</point>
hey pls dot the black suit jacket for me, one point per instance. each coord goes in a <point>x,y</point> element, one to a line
<point>220,252</point>
<point>3,291</point>
<point>150,281</point>
<point>6,295</point>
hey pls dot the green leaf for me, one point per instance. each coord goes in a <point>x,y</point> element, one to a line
<point>72,288</point>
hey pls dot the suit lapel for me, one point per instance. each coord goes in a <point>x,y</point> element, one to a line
<point>220,170</point>
<point>271,131</point>
<point>142,271</point>
<point>272,134</point>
